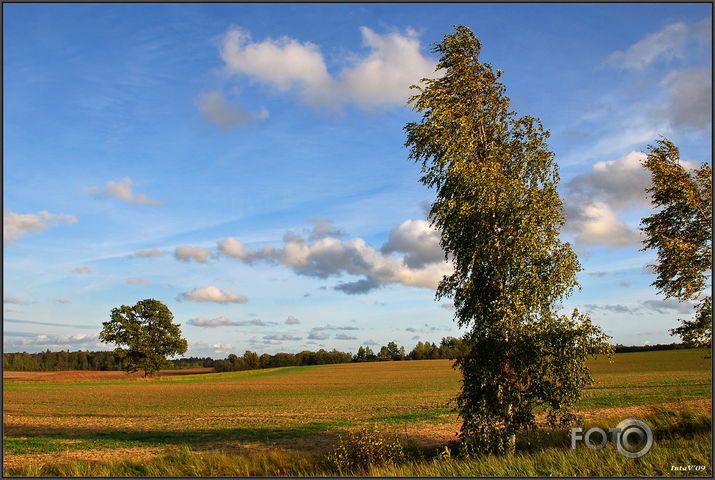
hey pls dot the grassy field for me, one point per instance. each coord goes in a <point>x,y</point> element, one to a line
<point>50,418</point>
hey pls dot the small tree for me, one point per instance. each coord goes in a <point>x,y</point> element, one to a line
<point>144,335</point>
<point>681,234</point>
<point>499,215</point>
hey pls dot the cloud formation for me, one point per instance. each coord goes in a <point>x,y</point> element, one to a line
<point>122,189</point>
<point>594,198</point>
<point>668,305</point>
<point>317,334</point>
<point>218,111</point>
<point>186,253</point>
<point>291,320</point>
<point>83,269</point>
<point>211,293</point>
<point>331,257</point>
<point>381,77</point>
<point>138,281</point>
<point>223,322</point>
<point>665,45</point>
<point>418,240</point>
<point>344,336</point>
<point>16,225</point>
<point>691,98</point>
<point>150,253</point>
<point>80,339</point>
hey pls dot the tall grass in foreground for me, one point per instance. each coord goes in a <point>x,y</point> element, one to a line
<point>682,447</point>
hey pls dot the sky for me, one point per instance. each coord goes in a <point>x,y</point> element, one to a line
<point>244,163</point>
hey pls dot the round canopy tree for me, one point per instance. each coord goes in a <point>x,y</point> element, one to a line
<point>144,335</point>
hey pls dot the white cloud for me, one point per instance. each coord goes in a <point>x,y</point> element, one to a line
<point>214,294</point>
<point>385,75</point>
<point>670,304</point>
<point>343,336</point>
<point>122,189</point>
<point>186,253</point>
<point>63,300</point>
<point>382,77</point>
<point>15,300</point>
<point>291,320</point>
<point>213,322</point>
<point>332,257</point>
<point>224,321</point>
<point>691,98</point>
<point>58,340</point>
<point>138,281</point>
<point>666,44</point>
<point>316,334</point>
<point>218,111</point>
<point>418,240</point>
<point>83,269</point>
<point>597,224</point>
<point>231,247</point>
<point>281,337</point>
<point>620,183</point>
<point>16,225</point>
<point>150,253</point>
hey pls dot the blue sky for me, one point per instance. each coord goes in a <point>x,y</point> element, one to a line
<point>245,165</point>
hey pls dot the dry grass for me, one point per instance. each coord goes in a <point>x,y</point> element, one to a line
<point>86,415</point>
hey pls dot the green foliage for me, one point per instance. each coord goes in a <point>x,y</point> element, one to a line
<point>500,215</point>
<point>364,448</point>
<point>681,234</point>
<point>148,333</point>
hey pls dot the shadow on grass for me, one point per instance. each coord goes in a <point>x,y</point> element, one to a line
<point>44,439</point>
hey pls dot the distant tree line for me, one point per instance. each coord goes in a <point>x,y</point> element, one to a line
<point>448,348</point>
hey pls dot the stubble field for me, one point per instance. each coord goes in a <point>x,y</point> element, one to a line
<point>51,417</point>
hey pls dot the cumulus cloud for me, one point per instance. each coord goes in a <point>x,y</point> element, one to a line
<point>317,334</point>
<point>15,300</point>
<point>344,336</point>
<point>620,183</point>
<point>332,257</point>
<point>150,253</point>
<point>598,224</point>
<point>63,300</point>
<point>322,228</point>
<point>138,281</point>
<point>691,98</point>
<point>666,44</point>
<point>211,293</point>
<point>291,320</point>
<point>233,248</point>
<point>336,327</point>
<point>593,199</point>
<point>383,76</point>
<point>219,112</point>
<point>16,225</point>
<point>669,305</point>
<point>83,269</point>
<point>59,340</point>
<point>418,240</point>
<point>281,337</point>
<point>369,342</point>
<point>186,253</point>
<point>122,189</point>
<point>214,322</point>
<point>616,308</point>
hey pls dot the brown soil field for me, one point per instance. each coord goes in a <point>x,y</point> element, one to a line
<point>79,375</point>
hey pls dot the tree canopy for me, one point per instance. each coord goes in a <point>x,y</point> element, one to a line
<point>499,214</point>
<point>680,232</point>
<point>144,335</point>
